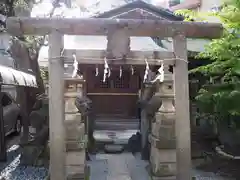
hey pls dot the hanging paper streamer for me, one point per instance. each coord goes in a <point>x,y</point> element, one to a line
<point>75,66</point>
<point>106,68</point>
<point>146,71</point>
<point>120,72</point>
<point>132,70</point>
<point>160,75</point>
<point>97,71</point>
<point>109,72</point>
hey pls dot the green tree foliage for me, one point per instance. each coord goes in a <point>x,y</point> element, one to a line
<point>220,96</point>
<point>32,43</point>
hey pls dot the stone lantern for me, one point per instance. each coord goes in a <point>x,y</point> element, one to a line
<point>163,139</point>
<point>75,129</point>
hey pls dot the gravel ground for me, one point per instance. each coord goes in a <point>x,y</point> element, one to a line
<point>222,167</point>
<point>11,170</point>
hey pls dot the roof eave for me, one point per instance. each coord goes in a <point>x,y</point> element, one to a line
<point>140,4</point>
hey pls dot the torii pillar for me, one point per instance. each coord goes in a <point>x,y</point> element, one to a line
<point>56,108</point>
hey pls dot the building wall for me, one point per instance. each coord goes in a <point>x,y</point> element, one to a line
<point>201,5</point>
<point>207,5</point>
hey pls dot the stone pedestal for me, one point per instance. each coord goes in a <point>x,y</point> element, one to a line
<point>162,138</point>
<point>35,149</point>
<point>75,131</point>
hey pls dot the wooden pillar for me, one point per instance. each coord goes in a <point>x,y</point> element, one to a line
<point>163,140</point>
<point>56,108</point>
<point>181,87</point>
<point>3,149</point>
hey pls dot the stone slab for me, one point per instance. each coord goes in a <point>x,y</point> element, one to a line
<point>162,143</point>
<point>74,146</point>
<point>164,169</point>
<point>72,116</point>
<point>75,130</point>
<point>163,131</point>
<point>75,158</point>
<point>113,148</point>
<point>164,178</point>
<point>163,155</point>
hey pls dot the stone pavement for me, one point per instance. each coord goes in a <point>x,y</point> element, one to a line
<point>125,166</point>
<point>117,167</point>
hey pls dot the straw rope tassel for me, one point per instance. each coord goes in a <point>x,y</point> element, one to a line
<point>146,71</point>
<point>132,70</point>
<point>160,75</point>
<point>75,66</point>
<point>109,72</point>
<point>97,71</point>
<point>106,67</point>
<point>120,72</point>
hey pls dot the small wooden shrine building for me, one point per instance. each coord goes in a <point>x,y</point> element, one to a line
<point>117,96</point>
<point>124,82</point>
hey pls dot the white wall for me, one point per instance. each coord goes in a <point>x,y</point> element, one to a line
<point>207,5</point>
<point>7,60</point>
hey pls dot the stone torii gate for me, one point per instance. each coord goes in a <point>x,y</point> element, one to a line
<point>175,86</point>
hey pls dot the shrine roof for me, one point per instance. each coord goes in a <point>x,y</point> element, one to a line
<point>134,10</point>
<point>157,11</point>
<point>137,9</point>
<point>100,43</point>
<point>193,45</point>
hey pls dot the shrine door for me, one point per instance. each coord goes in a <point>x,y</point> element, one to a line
<point>116,97</point>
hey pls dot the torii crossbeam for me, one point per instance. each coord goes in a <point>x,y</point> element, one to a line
<point>96,26</point>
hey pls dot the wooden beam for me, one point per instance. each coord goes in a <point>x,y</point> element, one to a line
<point>56,109</point>
<point>101,26</point>
<point>74,81</point>
<point>182,126</point>
<point>134,57</point>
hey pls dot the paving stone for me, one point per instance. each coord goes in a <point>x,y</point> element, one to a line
<point>119,177</point>
<point>113,148</point>
<point>122,166</point>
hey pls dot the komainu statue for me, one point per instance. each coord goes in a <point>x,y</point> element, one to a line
<point>84,105</point>
<point>35,151</point>
<point>149,104</point>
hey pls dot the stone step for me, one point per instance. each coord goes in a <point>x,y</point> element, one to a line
<point>75,173</point>
<point>79,176</point>
<point>164,178</point>
<point>75,130</point>
<point>112,148</point>
<point>75,165</point>
<point>120,124</point>
<point>75,158</point>
<point>75,146</point>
